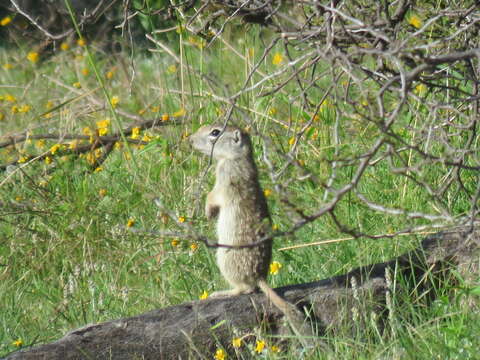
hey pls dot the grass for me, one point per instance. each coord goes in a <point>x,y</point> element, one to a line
<point>67,257</point>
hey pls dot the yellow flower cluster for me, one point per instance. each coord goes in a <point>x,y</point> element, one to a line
<point>8,98</point>
<point>55,148</point>
<point>102,127</point>
<point>20,108</point>
<point>277,59</point>
<point>109,74</point>
<point>33,56</point>
<point>275,267</point>
<point>135,133</point>
<point>220,354</point>
<point>114,101</point>
<point>5,21</point>
<point>81,42</point>
<point>415,21</point>
<point>18,343</point>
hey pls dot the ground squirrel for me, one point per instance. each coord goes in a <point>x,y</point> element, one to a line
<point>237,200</point>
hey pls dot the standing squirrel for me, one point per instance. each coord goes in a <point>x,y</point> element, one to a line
<point>237,200</point>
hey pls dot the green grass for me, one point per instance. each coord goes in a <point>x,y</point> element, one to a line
<point>67,257</point>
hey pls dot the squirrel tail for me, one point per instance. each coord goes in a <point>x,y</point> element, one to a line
<point>300,325</point>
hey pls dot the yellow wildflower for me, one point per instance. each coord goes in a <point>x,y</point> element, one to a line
<point>87,131</point>
<point>130,222</point>
<point>77,85</point>
<point>64,46</point>
<point>220,354</point>
<point>109,74</point>
<point>22,159</point>
<point>40,143</point>
<point>180,112</point>
<point>48,160</point>
<point>18,198</point>
<point>181,219</point>
<point>420,89</point>
<point>146,138</point>
<point>174,242</point>
<point>81,42</point>
<point>7,66</point>
<point>114,101</point>
<point>251,52</point>
<point>165,117</point>
<point>291,141</point>
<point>33,56</point>
<point>102,192</point>
<point>155,108</point>
<point>102,127</point>
<point>204,295</point>
<point>141,111</point>
<point>237,342</point>
<point>415,21</point>
<point>10,98</point>
<point>17,343</point>
<point>275,267</point>
<point>49,105</point>
<point>55,148</point>
<point>85,71</point>
<point>135,133</point>
<point>260,345</point>
<point>24,108</point>
<point>193,246</point>
<point>277,59</point>
<point>6,20</point>
<point>267,192</point>
<point>90,157</point>
<point>274,227</point>
<point>275,349</point>
<point>118,145</point>
<point>98,169</point>
<point>172,69</point>
<point>98,152</point>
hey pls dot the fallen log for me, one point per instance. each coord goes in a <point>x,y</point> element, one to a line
<point>195,329</point>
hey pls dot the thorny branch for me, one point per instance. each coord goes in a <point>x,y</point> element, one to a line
<point>401,83</point>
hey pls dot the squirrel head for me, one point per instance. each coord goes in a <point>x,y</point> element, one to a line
<point>222,143</point>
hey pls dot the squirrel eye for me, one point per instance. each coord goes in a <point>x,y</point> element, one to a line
<point>215,132</point>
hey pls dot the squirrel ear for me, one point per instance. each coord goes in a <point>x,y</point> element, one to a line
<point>237,136</point>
